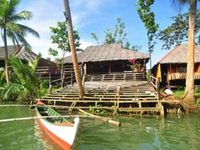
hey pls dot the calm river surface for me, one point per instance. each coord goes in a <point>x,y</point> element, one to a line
<point>174,133</point>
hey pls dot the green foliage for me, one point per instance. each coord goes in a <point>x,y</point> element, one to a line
<point>198,103</point>
<point>179,93</point>
<point>2,78</point>
<point>2,81</point>
<point>197,91</point>
<point>97,110</point>
<point>9,21</point>
<point>148,18</point>
<point>24,86</point>
<point>60,38</point>
<point>116,35</point>
<point>53,52</point>
<point>11,28</point>
<point>94,36</point>
<point>177,32</point>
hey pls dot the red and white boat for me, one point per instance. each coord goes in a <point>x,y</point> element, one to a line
<point>60,130</point>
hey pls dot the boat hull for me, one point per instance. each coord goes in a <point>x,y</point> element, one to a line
<point>63,135</point>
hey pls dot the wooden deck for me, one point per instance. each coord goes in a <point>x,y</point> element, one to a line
<point>133,97</point>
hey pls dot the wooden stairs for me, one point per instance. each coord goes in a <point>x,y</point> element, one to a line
<point>117,97</point>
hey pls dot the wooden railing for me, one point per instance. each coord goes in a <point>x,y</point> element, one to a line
<point>126,76</point>
<point>42,71</point>
<point>155,83</point>
<point>68,77</point>
<point>178,76</point>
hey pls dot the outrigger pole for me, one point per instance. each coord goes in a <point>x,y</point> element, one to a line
<point>87,115</point>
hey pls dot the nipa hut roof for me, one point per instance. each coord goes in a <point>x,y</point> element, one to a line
<point>179,55</point>
<point>18,51</point>
<point>108,52</point>
<point>12,50</point>
<point>24,54</point>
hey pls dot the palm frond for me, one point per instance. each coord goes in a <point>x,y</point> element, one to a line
<point>34,63</point>
<point>21,38</point>
<point>15,31</point>
<point>24,15</point>
<point>2,7</point>
<point>179,3</point>
<point>12,89</point>
<point>11,6</point>
<point>26,29</point>
<point>12,27</point>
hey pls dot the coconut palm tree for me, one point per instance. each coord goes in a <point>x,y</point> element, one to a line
<point>189,90</point>
<point>10,28</point>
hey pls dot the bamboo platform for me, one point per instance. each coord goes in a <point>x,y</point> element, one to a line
<point>118,97</point>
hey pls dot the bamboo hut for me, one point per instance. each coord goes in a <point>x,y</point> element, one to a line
<point>45,66</point>
<point>171,69</point>
<point>110,59</point>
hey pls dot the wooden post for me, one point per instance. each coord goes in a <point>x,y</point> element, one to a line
<point>158,87</point>
<point>110,67</point>
<point>84,73</point>
<point>71,78</point>
<point>116,106</point>
<point>72,47</point>
<point>162,113</point>
<point>144,70</point>
<point>50,86</point>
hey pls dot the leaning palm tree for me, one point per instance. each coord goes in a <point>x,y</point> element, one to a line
<point>189,90</point>
<point>73,49</point>
<point>10,28</point>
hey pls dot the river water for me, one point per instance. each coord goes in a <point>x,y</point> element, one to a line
<point>171,133</point>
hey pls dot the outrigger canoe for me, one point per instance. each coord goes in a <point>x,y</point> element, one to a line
<point>59,130</point>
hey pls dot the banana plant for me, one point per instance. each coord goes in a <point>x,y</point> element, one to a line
<point>25,86</point>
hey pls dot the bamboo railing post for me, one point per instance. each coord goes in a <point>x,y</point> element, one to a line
<point>84,74</point>
<point>158,87</point>
<point>116,106</point>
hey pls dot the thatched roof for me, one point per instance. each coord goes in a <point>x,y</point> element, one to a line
<point>24,54</point>
<point>107,52</point>
<point>12,50</point>
<point>18,51</point>
<point>179,55</point>
<point>27,55</point>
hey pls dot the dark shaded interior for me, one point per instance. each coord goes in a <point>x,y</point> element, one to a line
<point>108,66</point>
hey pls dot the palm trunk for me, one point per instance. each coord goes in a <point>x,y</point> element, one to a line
<point>6,55</point>
<point>73,50</point>
<point>189,90</point>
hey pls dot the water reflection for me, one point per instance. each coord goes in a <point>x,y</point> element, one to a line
<point>141,134</point>
<point>135,133</point>
<point>47,142</point>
